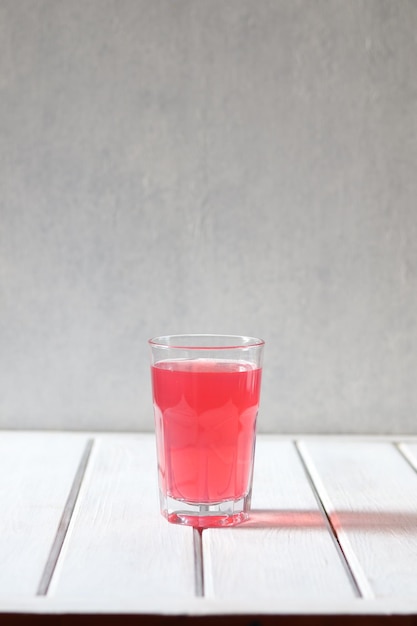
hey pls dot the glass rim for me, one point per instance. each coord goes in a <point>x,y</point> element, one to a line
<point>237,342</point>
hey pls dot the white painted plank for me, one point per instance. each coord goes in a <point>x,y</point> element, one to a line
<point>36,474</point>
<point>370,492</point>
<point>119,546</point>
<point>142,607</point>
<point>284,552</point>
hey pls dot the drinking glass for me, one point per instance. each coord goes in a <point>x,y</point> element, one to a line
<point>206,392</point>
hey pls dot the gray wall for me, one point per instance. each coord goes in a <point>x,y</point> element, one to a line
<point>235,166</point>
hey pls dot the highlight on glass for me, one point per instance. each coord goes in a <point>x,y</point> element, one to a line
<point>206,391</point>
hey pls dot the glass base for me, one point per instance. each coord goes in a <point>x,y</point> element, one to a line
<point>205,515</point>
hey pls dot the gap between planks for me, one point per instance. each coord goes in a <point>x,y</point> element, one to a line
<point>330,527</point>
<point>405,454</point>
<point>65,521</point>
<point>198,562</point>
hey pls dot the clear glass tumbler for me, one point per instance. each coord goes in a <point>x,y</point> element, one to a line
<point>206,392</point>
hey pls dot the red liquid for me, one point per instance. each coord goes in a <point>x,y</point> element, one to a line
<point>205,417</point>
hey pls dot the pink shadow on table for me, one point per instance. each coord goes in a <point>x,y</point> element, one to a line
<point>372,521</point>
<point>269,518</point>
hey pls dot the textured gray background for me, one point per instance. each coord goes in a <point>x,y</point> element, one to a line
<point>244,166</point>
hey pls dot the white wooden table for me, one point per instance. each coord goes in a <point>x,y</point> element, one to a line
<point>333,532</point>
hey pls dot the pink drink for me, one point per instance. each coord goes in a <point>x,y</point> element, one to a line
<point>205,417</point>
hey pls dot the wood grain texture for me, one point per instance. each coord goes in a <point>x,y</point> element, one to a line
<point>370,492</point>
<point>119,547</point>
<point>284,552</point>
<point>36,474</point>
